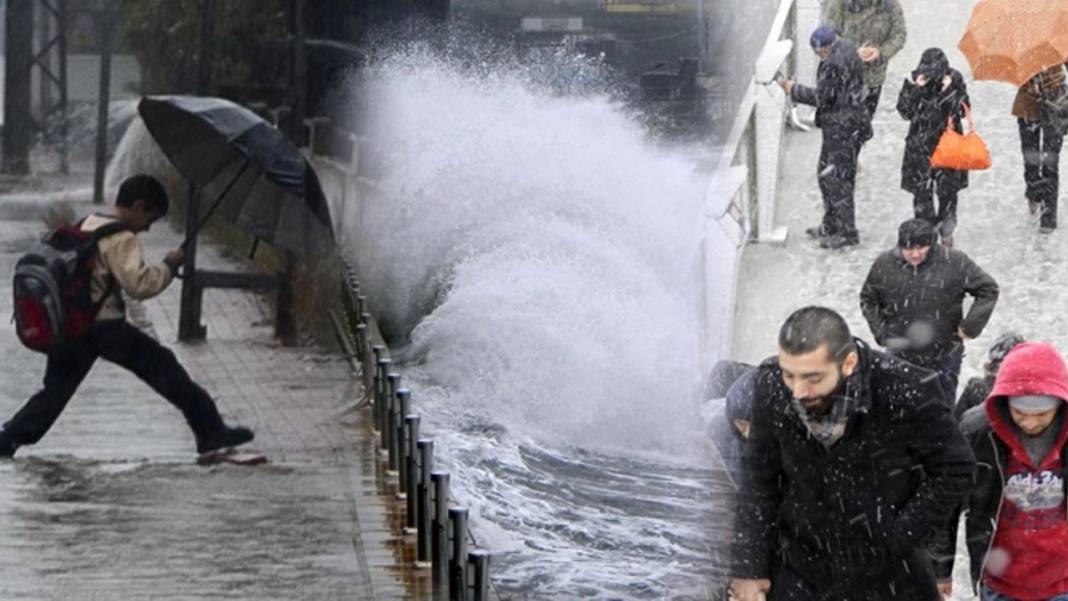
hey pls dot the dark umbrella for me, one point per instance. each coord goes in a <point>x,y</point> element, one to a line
<point>260,181</point>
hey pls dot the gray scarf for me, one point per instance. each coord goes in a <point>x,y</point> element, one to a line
<point>830,427</point>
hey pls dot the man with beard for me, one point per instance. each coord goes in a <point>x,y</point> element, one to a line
<point>853,460</point>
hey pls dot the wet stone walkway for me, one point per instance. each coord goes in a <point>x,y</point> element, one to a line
<point>110,504</point>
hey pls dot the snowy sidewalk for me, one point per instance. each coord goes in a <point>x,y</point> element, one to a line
<point>994,228</point>
<point>110,505</point>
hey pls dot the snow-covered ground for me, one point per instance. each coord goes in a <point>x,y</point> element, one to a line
<point>994,228</point>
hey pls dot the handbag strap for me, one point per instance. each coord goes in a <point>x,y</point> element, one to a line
<point>967,118</point>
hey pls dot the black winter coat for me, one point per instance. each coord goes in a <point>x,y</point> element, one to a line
<point>975,392</point>
<point>928,113</point>
<point>852,519</point>
<point>896,295</point>
<point>984,501</point>
<point>839,95</point>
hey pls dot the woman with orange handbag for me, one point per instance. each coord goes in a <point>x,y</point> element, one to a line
<point>935,94</point>
<point>1041,137</point>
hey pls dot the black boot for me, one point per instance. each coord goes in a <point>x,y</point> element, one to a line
<point>839,241</point>
<point>228,437</point>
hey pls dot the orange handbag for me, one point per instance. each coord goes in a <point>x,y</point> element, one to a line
<point>967,152</point>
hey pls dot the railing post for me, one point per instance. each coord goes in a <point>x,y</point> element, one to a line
<point>401,440</point>
<point>412,422</point>
<point>440,537</point>
<point>480,561</point>
<point>382,368</point>
<point>389,438</point>
<point>361,343</point>
<point>458,561</point>
<point>361,304</point>
<point>426,458</point>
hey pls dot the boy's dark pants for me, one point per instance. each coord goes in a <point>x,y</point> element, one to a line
<point>122,344</point>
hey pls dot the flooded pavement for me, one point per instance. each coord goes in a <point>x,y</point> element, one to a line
<point>87,529</point>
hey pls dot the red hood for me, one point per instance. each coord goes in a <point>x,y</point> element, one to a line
<point>1030,368</point>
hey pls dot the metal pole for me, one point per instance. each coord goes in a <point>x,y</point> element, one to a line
<point>389,413</point>
<point>426,459</point>
<point>361,342</point>
<point>481,560</point>
<point>18,54</point>
<point>403,405</point>
<point>298,72</point>
<point>458,562</point>
<point>64,127</point>
<point>440,531</point>
<point>189,326</point>
<point>361,307</point>
<point>102,107</point>
<point>411,513</point>
<point>207,34</point>
<point>384,366</point>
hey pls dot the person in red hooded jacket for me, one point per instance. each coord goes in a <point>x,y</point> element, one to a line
<point>1017,525</point>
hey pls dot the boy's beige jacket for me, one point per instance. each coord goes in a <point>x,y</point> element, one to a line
<point>120,255</point>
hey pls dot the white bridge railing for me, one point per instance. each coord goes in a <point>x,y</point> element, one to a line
<point>742,198</point>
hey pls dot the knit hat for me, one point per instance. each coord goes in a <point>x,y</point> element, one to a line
<point>823,37</point>
<point>1034,402</point>
<point>914,233</point>
<point>1001,347</point>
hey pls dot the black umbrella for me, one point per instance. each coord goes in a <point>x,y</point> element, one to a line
<point>260,181</point>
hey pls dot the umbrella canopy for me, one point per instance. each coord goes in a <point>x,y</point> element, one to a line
<point>249,171</point>
<point>1013,40</point>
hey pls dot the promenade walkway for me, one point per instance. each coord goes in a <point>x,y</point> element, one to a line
<point>110,504</point>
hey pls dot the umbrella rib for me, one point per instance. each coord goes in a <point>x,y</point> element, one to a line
<point>192,235</point>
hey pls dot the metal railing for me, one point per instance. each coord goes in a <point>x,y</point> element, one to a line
<point>743,196</point>
<point>442,538</point>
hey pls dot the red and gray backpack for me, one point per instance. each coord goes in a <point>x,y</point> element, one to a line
<point>53,302</point>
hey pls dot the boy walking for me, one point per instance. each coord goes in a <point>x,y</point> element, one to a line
<point>119,266</point>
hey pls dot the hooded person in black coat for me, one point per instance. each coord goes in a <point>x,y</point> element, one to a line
<point>913,300</point>
<point>842,116</point>
<point>853,461</point>
<point>935,94</point>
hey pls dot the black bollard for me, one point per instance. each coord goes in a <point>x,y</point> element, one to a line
<point>480,564</point>
<point>458,560</point>
<point>426,458</point>
<point>361,308</point>
<point>385,366</point>
<point>403,406</point>
<point>389,428</point>
<point>412,421</point>
<point>361,343</point>
<point>439,543</point>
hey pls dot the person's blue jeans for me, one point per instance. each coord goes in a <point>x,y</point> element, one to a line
<point>989,594</point>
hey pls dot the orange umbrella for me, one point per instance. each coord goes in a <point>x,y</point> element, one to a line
<point>1013,40</point>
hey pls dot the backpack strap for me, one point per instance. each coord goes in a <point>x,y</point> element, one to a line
<point>108,229</point>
